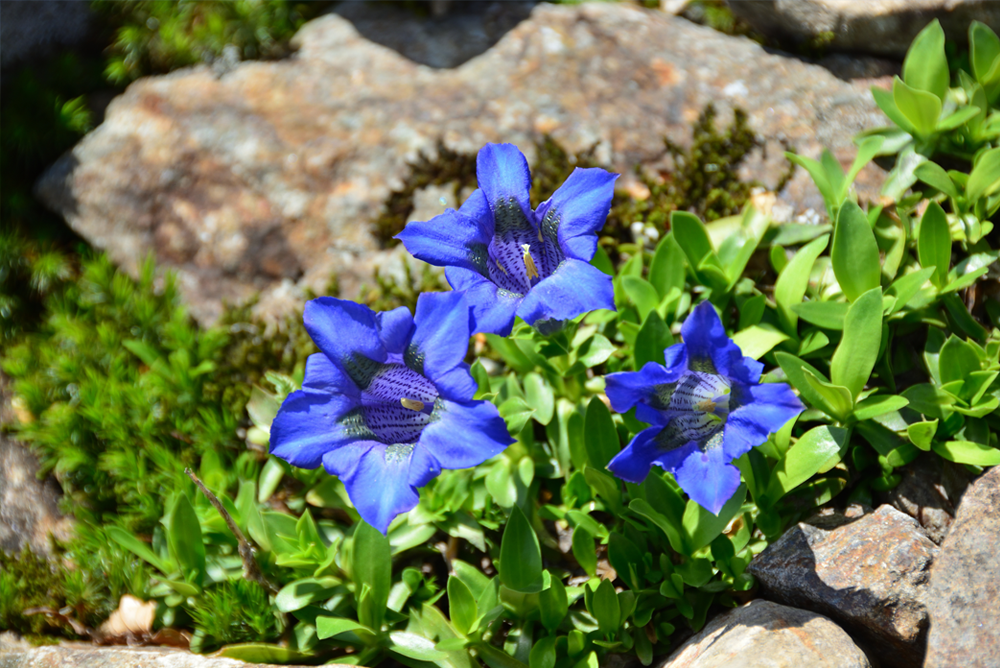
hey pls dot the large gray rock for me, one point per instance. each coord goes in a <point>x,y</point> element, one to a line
<point>868,575</point>
<point>929,492</point>
<point>763,634</point>
<point>881,27</point>
<point>267,178</point>
<point>964,599</point>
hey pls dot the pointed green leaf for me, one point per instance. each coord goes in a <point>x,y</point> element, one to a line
<point>653,338</point>
<point>601,436</point>
<point>184,539</point>
<point>461,605</point>
<point>553,604</point>
<point>372,563</point>
<point>984,179</point>
<point>857,353</point>
<point>804,459</point>
<point>968,452</point>
<point>520,555</point>
<point>921,108</point>
<point>828,315</point>
<point>984,50</point>
<point>934,243</point>
<point>925,67</point>
<point>934,175</point>
<point>793,281</point>
<point>666,271</point>
<point>855,255</point>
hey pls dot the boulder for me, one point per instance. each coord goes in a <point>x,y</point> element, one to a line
<point>869,575</point>
<point>762,633</point>
<point>879,27</point>
<point>266,179</point>
<point>929,492</point>
<point>964,598</point>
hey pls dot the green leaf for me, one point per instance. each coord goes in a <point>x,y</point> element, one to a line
<point>854,255</point>
<point>482,378</point>
<point>880,404</point>
<point>828,315</point>
<point>641,293</point>
<point>921,109</point>
<point>627,561</point>
<point>500,484</point>
<point>263,653</point>
<point>553,604</point>
<point>857,353</point>
<point>758,340</point>
<point>270,478</point>
<point>984,51</point>
<point>138,548</point>
<point>804,459</point>
<point>604,608</point>
<point>516,412</point>
<point>543,654</point>
<point>540,397</point>
<point>884,100</point>
<point>653,338</point>
<point>327,627</point>
<point>797,372</point>
<point>968,452</point>
<point>837,401</point>
<point>984,179</point>
<point>184,539</point>
<point>934,243</point>
<point>300,593</point>
<point>819,176</point>
<point>922,433</point>
<point>372,563</point>
<point>702,527</point>
<point>905,287</point>
<point>925,67</point>
<point>596,350</point>
<point>934,175</point>
<point>692,237</point>
<point>600,434</point>
<point>461,605</point>
<point>956,360</point>
<point>666,271</point>
<point>520,555</point>
<point>414,646</point>
<point>793,281</point>
<point>867,150</point>
<point>583,550</point>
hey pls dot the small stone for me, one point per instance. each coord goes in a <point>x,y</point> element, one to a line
<point>964,597</point>
<point>928,492</point>
<point>762,633</point>
<point>881,27</point>
<point>869,575</point>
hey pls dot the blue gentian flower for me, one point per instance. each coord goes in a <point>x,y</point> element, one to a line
<point>510,260</point>
<point>387,403</point>
<point>706,407</point>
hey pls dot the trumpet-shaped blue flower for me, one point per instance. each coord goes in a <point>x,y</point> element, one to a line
<point>387,403</point>
<point>512,260</point>
<point>706,407</point>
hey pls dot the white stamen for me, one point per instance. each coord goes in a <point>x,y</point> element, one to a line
<point>529,263</point>
<point>412,404</point>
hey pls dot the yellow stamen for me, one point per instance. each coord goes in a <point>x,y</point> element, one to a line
<point>500,266</point>
<point>708,405</point>
<point>529,263</point>
<point>540,234</point>
<point>412,404</point>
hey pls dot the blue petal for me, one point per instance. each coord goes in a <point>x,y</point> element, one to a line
<point>394,328</point>
<point>344,460</point>
<point>306,427</point>
<point>709,349</point>
<point>440,332</point>
<point>676,358</point>
<point>465,434</point>
<point>503,175</point>
<point>492,310</point>
<point>581,206</point>
<point>575,287</point>
<point>341,328</point>
<point>379,486</point>
<point>633,463</point>
<point>757,411</point>
<point>325,376</point>
<point>627,388</point>
<point>708,478</point>
<point>456,385</point>
<point>448,240</point>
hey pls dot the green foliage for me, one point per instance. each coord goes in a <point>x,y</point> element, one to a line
<point>153,36</point>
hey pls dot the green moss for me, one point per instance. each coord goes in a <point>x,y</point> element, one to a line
<point>234,611</point>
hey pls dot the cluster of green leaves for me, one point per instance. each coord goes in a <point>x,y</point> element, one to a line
<point>154,36</point>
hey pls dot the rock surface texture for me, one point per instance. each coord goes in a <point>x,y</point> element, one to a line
<point>929,492</point>
<point>267,178</point>
<point>880,27</point>
<point>28,506</point>
<point>869,575</point>
<point>762,633</point>
<point>964,597</point>
<point>14,654</point>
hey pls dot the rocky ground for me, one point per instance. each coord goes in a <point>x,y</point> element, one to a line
<point>264,178</point>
